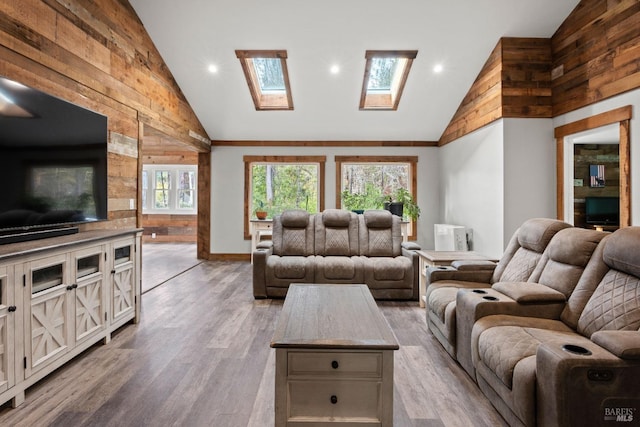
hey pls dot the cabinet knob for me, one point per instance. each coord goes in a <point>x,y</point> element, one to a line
<point>11,308</point>
<point>70,287</point>
<point>335,364</point>
<point>334,399</point>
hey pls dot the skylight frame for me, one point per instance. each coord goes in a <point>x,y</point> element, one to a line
<point>269,99</point>
<point>375,99</point>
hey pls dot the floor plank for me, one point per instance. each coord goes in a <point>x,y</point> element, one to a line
<point>200,357</point>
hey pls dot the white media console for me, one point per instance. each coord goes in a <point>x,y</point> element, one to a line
<point>58,297</point>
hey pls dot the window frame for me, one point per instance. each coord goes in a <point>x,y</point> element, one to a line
<point>148,207</point>
<point>412,161</point>
<point>266,101</point>
<point>248,162</point>
<point>374,100</point>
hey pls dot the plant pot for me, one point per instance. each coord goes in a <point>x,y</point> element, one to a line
<point>261,214</point>
<point>395,208</point>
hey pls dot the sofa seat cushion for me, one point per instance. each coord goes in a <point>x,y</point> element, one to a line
<point>387,268</point>
<point>501,348</point>
<point>338,268</point>
<point>439,299</point>
<point>290,267</point>
<point>388,272</point>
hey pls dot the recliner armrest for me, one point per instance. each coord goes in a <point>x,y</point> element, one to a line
<point>579,389</point>
<point>434,274</point>
<point>411,246</point>
<point>624,344</point>
<point>529,292</point>
<point>463,265</point>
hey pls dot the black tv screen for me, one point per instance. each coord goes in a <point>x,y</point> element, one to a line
<point>53,161</point>
<point>602,210</point>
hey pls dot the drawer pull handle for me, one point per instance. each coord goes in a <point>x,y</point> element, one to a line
<point>335,364</point>
<point>334,399</point>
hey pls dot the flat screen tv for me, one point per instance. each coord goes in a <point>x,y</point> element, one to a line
<point>53,162</point>
<point>602,210</point>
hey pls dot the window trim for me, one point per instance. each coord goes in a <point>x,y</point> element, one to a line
<point>173,190</point>
<point>249,160</point>
<point>266,101</point>
<point>413,171</point>
<point>378,101</point>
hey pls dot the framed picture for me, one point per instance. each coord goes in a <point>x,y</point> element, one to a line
<point>596,176</point>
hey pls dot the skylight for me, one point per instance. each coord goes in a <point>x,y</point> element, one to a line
<point>267,77</point>
<point>385,75</point>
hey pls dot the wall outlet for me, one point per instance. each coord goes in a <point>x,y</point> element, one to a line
<point>578,183</point>
<point>132,204</point>
<point>153,235</point>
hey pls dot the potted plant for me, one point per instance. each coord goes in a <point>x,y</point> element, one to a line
<point>260,211</point>
<point>402,203</point>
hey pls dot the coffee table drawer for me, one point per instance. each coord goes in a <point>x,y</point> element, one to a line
<point>334,400</point>
<point>338,364</point>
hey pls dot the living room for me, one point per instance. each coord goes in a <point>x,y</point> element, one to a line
<point>494,162</point>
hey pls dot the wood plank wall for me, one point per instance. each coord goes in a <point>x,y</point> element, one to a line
<point>98,55</point>
<point>596,53</point>
<point>514,82</point>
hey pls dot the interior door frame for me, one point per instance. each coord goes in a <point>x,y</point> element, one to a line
<point>620,115</point>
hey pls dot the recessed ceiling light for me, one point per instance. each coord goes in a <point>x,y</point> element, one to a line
<point>438,68</point>
<point>335,69</point>
<point>213,69</point>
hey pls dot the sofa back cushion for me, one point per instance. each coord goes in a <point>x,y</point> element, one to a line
<point>525,249</point>
<point>293,233</point>
<point>380,234</point>
<point>336,233</point>
<point>566,257</point>
<point>615,303</point>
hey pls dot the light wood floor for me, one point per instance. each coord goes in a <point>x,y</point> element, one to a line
<point>201,357</point>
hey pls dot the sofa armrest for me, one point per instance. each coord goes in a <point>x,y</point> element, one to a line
<point>529,292</point>
<point>584,388</point>
<point>264,244</point>
<point>623,344</point>
<point>468,265</point>
<point>411,246</point>
<point>437,273</point>
<point>415,262</point>
<point>260,256</point>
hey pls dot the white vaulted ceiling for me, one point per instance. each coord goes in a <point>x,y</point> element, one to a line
<point>191,35</point>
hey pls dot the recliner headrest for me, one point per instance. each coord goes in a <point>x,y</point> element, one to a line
<point>622,250</point>
<point>295,218</point>
<point>336,218</point>
<point>574,246</point>
<point>378,218</point>
<point>536,233</point>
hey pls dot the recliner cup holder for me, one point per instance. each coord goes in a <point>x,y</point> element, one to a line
<point>576,349</point>
<point>479,291</point>
<point>490,298</point>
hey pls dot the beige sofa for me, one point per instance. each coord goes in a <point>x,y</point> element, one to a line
<point>580,367</point>
<point>517,264</point>
<point>337,246</point>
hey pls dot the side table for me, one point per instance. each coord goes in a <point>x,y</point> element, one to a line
<point>436,258</point>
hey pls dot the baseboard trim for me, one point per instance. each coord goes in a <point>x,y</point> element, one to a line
<point>229,257</point>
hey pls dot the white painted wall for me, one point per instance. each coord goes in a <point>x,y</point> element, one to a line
<point>227,188</point>
<point>631,98</point>
<point>497,177</point>
<point>472,187</point>
<point>529,172</point>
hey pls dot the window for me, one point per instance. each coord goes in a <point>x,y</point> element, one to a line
<point>364,182</point>
<point>385,75</point>
<point>277,183</point>
<point>169,189</point>
<point>267,77</point>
